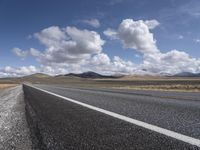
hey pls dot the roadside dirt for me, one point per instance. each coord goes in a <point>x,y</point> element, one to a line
<point>14,131</point>
<point>4,86</point>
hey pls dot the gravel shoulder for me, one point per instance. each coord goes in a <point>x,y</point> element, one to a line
<point>14,131</point>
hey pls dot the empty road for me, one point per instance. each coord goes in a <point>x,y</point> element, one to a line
<point>84,118</point>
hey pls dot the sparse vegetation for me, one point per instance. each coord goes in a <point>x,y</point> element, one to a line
<point>178,87</point>
<point>189,84</point>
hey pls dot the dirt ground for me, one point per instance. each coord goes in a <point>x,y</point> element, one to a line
<point>4,86</point>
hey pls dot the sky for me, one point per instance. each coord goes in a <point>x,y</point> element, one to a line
<point>108,36</point>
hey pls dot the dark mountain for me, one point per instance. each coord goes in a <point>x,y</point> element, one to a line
<point>187,74</point>
<point>89,74</point>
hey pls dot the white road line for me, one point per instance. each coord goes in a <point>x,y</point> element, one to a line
<point>154,128</point>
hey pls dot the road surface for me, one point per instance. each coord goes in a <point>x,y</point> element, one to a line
<point>77,118</point>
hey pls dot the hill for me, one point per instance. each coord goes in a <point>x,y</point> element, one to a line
<point>187,74</point>
<point>89,74</point>
<point>37,75</point>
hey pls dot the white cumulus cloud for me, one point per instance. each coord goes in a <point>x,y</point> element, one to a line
<point>78,50</point>
<point>9,71</point>
<point>137,35</point>
<point>69,45</point>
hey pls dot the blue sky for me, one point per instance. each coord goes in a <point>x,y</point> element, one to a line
<point>178,28</point>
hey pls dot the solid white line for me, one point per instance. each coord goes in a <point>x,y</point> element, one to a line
<point>154,128</point>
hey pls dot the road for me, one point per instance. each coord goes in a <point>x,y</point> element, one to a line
<point>167,120</point>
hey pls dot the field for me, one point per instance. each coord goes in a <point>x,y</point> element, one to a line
<point>163,84</point>
<point>188,84</point>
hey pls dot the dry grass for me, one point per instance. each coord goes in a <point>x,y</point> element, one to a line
<point>130,82</point>
<point>4,86</point>
<point>144,78</point>
<point>181,88</point>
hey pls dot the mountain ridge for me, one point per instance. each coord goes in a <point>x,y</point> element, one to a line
<point>187,74</point>
<point>90,74</point>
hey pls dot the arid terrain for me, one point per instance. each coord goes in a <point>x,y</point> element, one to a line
<point>35,114</point>
<point>190,84</point>
<point>8,85</point>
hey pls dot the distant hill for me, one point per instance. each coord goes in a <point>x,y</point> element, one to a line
<point>38,75</point>
<point>90,74</point>
<point>187,74</point>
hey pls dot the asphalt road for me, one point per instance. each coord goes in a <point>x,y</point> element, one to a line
<point>60,124</point>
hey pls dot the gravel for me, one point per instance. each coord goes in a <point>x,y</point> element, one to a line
<point>14,131</point>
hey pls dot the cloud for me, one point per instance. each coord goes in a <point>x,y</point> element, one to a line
<point>24,53</point>
<point>180,37</point>
<point>99,63</point>
<point>197,40</point>
<point>70,45</point>
<point>51,36</point>
<point>112,34</point>
<point>100,59</point>
<point>137,35</point>
<point>172,62</point>
<point>9,71</point>
<point>152,23</point>
<point>34,52</point>
<point>122,66</point>
<point>68,50</point>
<point>93,22</point>
<point>20,53</point>
<point>78,50</point>
<point>64,47</point>
<point>103,64</point>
